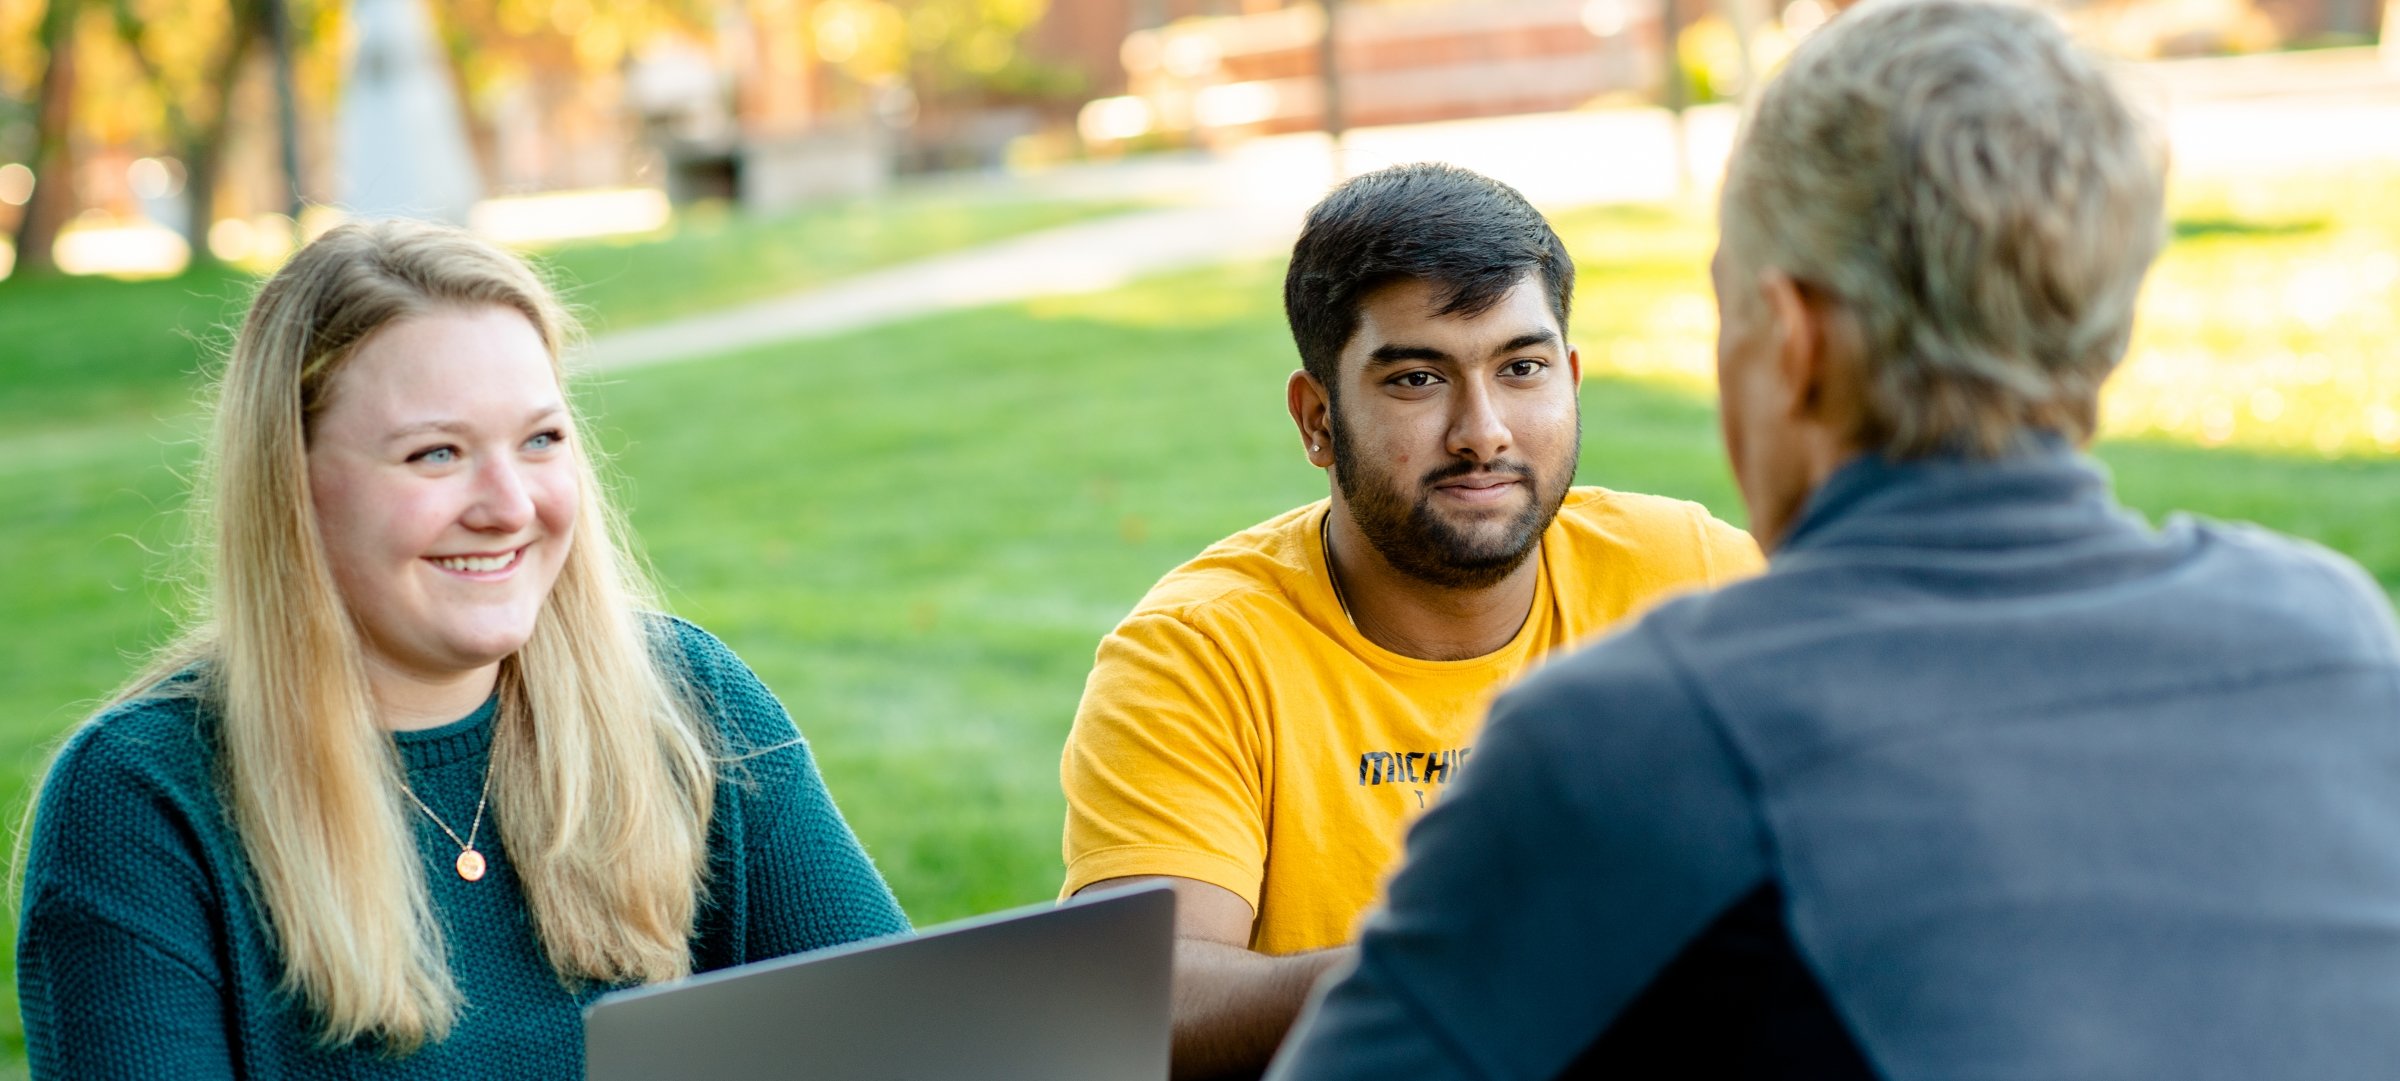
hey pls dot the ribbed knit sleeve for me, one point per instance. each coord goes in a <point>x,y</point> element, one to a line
<point>786,874</point>
<point>119,912</point>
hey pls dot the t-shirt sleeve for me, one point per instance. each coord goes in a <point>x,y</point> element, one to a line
<point>1163,769</point>
<point>1602,826</point>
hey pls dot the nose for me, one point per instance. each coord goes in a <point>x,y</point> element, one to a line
<point>503,503</point>
<point>1477,431</point>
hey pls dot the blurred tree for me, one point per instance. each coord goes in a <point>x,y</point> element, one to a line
<point>191,55</point>
<point>53,199</point>
<point>136,72</point>
<point>949,52</point>
<point>495,41</point>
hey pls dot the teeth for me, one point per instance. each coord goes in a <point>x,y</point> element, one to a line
<point>477,564</point>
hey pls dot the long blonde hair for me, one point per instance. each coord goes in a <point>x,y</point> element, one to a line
<point>602,775</point>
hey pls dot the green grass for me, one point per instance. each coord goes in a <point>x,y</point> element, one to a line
<point>918,533</point>
<point>2267,324</point>
<point>80,350</point>
<point>712,258</point>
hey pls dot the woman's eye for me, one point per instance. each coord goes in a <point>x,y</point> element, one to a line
<point>546,440</point>
<point>435,455</point>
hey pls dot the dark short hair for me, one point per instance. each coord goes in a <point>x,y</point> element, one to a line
<point>1472,237</point>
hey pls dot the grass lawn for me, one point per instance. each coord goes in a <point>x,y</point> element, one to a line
<point>935,655</point>
<point>80,350</point>
<point>916,534</point>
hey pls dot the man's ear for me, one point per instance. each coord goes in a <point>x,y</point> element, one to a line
<point>1800,360</point>
<point>1575,366</point>
<point>1312,413</point>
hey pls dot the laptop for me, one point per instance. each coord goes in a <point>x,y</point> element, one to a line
<point>1072,992</point>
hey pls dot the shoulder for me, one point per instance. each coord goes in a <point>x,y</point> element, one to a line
<point>2267,550</point>
<point>1616,734</point>
<point>160,740</point>
<point>2290,587</point>
<point>133,786</point>
<point>1666,538</point>
<point>1260,585</point>
<point>1204,635</point>
<point>1624,680</point>
<point>683,645</point>
<point>1267,564</point>
<point>742,713</point>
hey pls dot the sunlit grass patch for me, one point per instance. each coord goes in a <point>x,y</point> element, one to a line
<point>2279,333</point>
<point>2271,322</point>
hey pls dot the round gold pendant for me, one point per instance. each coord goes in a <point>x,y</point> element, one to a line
<point>470,865</point>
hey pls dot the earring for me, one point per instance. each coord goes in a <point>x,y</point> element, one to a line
<point>1312,448</point>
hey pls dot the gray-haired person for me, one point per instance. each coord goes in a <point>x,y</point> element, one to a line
<point>1985,778</point>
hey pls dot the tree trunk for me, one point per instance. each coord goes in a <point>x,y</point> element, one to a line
<point>54,153</point>
<point>204,153</point>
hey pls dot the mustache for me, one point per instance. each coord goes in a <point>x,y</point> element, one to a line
<point>1464,468</point>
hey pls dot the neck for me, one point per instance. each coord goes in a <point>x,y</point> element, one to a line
<point>1415,618</point>
<point>408,701</point>
<point>1817,451</point>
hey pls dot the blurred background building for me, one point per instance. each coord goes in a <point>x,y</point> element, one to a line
<point>140,134</point>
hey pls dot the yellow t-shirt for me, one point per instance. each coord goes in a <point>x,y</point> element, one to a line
<point>1237,730</point>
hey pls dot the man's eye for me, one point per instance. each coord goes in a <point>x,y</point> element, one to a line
<point>1523,369</point>
<point>435,455</point>
<point>1415,380</point>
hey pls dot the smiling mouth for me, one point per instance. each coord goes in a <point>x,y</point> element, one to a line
<point>478,564</point>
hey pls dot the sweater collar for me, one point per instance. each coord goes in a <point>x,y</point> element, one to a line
<point>465,739</point>
<point>2046,492</point>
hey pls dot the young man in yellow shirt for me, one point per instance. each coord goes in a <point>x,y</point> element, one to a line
<point>1261,729</point>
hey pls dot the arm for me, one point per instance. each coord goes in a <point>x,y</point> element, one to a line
<point>1602,827</point>
<point>1232,1006</point>
<point>1164,777</point>
<point>810,882</point>
<point>101,1002</point>
<point>119,939</point>
<point>806,880</point>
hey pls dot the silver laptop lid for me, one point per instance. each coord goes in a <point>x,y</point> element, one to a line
<point>1075,992</point>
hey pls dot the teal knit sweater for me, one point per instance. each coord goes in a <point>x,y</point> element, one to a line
<point>141,953</point>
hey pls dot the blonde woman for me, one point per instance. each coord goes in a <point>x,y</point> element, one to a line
<point>429,775</point>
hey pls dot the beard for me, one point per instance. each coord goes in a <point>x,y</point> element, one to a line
<point>1419,542</point>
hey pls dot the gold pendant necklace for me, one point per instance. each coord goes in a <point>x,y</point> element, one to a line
<point>470,862</point>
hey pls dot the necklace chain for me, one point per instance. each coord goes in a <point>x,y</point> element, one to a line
<point>1325,547</point>
<point>470,862</point>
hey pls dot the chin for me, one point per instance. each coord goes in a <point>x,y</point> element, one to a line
<point>482,646</point>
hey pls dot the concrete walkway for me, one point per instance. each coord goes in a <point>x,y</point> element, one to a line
<point>2278,115</point>
<point>1084,257</point>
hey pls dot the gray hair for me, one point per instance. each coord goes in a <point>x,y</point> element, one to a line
<point>1980,197</point>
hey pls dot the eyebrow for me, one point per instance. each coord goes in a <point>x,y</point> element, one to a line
<point>1528,340</point>
<point>1397,354</point>
<point>1386,355</point>
<point>460,427</point>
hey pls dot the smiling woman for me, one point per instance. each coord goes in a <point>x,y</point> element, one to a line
<point>431,774</point>
<point>445,494</point>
